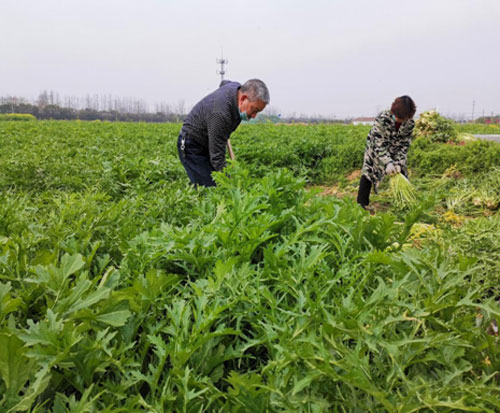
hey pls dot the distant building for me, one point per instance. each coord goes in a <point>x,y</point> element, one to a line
<point>363,121</point>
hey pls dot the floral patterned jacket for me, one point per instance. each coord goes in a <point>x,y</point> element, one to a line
<point>385,145</point>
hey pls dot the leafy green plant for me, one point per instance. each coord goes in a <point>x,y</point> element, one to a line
<point>123,288</point>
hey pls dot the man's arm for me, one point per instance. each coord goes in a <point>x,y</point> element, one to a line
<point>218,135</point>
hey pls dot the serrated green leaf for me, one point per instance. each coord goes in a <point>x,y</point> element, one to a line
<point>15,367</point>
<point>115,319</point>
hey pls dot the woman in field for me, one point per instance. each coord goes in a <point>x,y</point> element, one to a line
<point>387,146</point>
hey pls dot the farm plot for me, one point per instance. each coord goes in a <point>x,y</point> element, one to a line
<point>124,289</point>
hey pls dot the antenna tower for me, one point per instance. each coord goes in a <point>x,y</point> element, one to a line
<point>221,62</point>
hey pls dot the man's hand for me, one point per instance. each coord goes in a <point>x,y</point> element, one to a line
<point>390,169</point>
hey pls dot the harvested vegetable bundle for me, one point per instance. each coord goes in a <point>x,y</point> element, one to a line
<point>402,190</point>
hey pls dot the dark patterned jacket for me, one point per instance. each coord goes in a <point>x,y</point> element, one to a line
<point>212,120</point>
<point>385,145</point>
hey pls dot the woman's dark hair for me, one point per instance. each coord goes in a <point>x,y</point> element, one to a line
<point>403,107</point>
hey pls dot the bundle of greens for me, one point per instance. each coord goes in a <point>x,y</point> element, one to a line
<point>434,127</point>
<point>402,190</point>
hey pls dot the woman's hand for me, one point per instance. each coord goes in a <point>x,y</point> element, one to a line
<point>390,169</point>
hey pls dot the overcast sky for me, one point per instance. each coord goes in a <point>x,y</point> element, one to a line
<point>342,58</point>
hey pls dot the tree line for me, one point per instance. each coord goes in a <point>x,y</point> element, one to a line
<point>49,105</point>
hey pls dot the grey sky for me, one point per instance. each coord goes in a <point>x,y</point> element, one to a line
<point>343,58</point>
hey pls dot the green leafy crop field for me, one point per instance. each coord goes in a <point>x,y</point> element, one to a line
<point>124,289</point>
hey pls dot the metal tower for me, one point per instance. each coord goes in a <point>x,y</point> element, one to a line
<point>221,71</point>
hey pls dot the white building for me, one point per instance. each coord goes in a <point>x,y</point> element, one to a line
<point>363,121</point>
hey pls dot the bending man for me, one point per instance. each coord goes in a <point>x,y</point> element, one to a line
<point>205,133</point>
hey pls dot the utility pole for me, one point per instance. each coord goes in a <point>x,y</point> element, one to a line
<point>221,62</point>
<point>473,106</point>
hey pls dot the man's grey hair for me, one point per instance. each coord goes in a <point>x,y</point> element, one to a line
<point>256,90</point>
